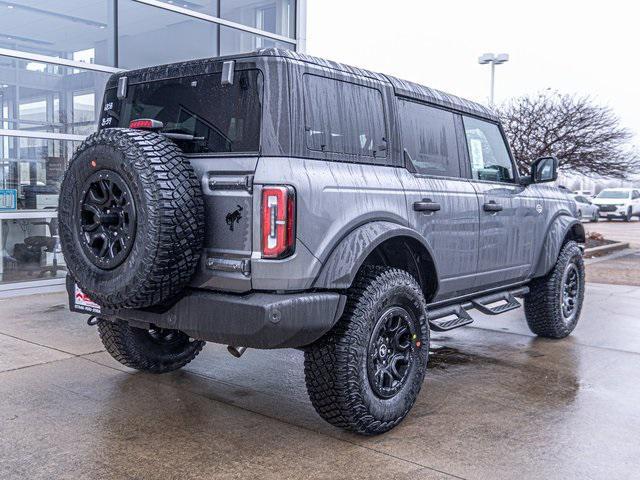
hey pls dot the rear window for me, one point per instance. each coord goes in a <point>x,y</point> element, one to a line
<point>342,117</point>
<point>222,118</point>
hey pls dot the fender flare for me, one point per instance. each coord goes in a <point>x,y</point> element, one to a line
<point>346,258</point>
<point>554,238</point>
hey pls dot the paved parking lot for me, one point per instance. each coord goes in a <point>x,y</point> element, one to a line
<point>617,230</point>
<point>497,403</point>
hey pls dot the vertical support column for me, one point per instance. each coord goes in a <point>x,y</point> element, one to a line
<point>493,76</point>
<point>218,46</point>
<point>112,20</point>
<point>301,26</point>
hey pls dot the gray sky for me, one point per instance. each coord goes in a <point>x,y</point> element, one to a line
<point>584,47</point>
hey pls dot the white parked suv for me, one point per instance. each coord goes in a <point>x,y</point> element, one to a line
<point>618,203</point>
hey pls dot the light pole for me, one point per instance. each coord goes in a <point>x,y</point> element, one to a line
<point>493,60</point>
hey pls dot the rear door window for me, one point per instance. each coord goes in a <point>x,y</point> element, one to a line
<point>222,118</point>
<point>343,117</point>
<point>490,160</point>
<point>429,137</point>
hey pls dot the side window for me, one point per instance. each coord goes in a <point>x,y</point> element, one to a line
<point>342,117</point>
<point>636,194</point>
<point>488,153</point>
<point>429,136</point>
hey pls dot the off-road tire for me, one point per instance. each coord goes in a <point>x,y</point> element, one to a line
<point>336,365</point>
<point>137,348</point>
<point>169,229</point>
<point>543,303</point>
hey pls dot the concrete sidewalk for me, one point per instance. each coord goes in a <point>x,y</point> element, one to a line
<point>497,403</point>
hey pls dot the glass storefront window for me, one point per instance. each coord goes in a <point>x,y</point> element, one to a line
<point>275,16</point>
<point>84,113</point>
<point>33,169</point>
<point>79,30</point>
<point>51,98</point>
<point>152,36</point>
<point>234,41</point>
<point>30,248</point>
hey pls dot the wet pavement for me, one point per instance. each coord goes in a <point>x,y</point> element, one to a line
<point>497,403</point>
<point>619,268</point>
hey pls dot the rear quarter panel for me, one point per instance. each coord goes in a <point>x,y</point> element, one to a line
<point>333,198</point>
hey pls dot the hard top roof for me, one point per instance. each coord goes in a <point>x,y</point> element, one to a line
<point>402,87</point>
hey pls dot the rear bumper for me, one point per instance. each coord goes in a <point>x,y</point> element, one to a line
<point>256,320</point>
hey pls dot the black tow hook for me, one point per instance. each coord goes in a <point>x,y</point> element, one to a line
<point>236,351</point>
<point>92,321</point>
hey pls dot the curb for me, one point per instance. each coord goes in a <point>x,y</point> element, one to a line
<point>604,249</point>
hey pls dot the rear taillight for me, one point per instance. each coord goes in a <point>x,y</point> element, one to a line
<point>278,221</point>
<point>146,124</point>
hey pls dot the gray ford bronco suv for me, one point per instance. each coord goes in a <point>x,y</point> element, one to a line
<point>276,200</point>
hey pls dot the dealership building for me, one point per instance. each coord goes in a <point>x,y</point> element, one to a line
<point>55,58</point>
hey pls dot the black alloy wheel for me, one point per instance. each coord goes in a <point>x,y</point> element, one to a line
<point>107,219</point>
<point>390,352</point>
<point>570,291</point>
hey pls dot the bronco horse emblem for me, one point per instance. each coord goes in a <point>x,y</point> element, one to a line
<point>233,217</point>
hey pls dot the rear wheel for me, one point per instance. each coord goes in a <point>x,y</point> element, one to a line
<point>554,302</point>
<point>153,350</point>
<point>366,373</point>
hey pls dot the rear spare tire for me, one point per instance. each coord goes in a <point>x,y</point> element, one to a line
<point>131,218</point>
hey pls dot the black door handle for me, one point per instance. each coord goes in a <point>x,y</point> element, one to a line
<point>426,205</point>
<point>492,207</point>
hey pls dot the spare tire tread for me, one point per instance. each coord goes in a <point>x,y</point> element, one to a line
<point>173,212</point>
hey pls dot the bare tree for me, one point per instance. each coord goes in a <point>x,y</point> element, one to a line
<point>587,138</point>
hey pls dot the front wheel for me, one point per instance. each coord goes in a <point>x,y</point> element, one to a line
<point>596,216</point>
<point>153,350</point>
<point>554,302</point>
<point>629,215</point>
<point>365,374</point>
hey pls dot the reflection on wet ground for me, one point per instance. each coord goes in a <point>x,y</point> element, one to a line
<point>441,356</point>
<point>496,403</point>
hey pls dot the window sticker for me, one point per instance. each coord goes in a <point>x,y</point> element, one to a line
<point>8,199</point>
<point>477,161</point>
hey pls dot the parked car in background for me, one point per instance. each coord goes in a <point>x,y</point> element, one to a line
<point>618,203</point>
<point>586,209</point>
<point>585,193</point>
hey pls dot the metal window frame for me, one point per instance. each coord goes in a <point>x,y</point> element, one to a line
<point>220,21</point>
<point>36,57</point>
<point>6,132</point>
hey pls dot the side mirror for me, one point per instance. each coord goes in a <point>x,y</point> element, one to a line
<point>544,169</point>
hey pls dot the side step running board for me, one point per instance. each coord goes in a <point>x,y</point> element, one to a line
<point>482,303</point>
<point>440,318</point>
<point>439,321</point>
